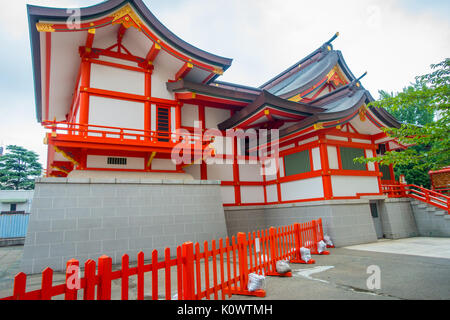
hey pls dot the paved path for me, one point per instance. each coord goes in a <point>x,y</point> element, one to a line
<point>425,247</point>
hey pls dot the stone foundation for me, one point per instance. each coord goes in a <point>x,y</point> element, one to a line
<point>86,218</point>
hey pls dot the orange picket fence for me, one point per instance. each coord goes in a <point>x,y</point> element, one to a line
<point>226,266</point>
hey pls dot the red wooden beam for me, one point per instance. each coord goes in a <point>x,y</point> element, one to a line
<point>153,52</point>
<point>184,70</point>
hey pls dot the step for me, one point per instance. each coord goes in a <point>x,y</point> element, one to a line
<point>447,217</point>
<point>440,213</point>
<point>423,206</point>
<point>431,209</point>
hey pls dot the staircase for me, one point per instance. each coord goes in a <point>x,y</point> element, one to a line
<point>431,209</point>
<point>431,221</point>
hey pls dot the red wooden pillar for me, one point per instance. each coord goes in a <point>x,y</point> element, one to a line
<point>147,104</point>
<point>201,118</point>
<point>84,95</point>
<point>188,271</point>
<point>237,187</point>
<point>326,174</point>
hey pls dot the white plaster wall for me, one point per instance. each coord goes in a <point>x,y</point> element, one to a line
<point>332,157</point>
<point>362,141</point>
<point>189,114</point>
<point>116,113</point>
<point>272,193</point>
<point>115,79</point>
<point>214,116</point>
<point>317,165</point>
<point>250,172</point>
<point>281,164</point>
<point>344,186</point>
<point>302,189</point>
<point>102,162</point>
<point>163,164</point>
<point>228,195</point>
<point>370,165</point>
<point>222,172</point>
<point>312,139</point>
<point>336,138</point>
<point>253,194</point>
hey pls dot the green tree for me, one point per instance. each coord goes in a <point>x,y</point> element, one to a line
<point>430,97</point>
<point>18,169</point>
<point>412,114</point>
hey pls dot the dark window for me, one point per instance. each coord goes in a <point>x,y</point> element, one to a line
<point>117,161</point>
<point>13,207</point>
<point>163,124</point>
<point>297,163</point>
<point>374,210</point>
<point>386,171</point>
<point>347,156</point>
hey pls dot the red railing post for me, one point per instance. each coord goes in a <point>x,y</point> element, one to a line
<point>104,272</point>
<point>72,279</point>
<point>274,257</point>
<point>89,276</point>
<point>317,239</point>
<point>20,283</point>
<point>46,284</point>
<point>188,271</point>
<point>298,245</point>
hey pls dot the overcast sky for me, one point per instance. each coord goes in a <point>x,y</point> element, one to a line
<point>393,40</point>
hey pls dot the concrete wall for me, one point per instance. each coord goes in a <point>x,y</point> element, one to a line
<point>348,222</point>
<point>397,218</point>
<point>86,218</point>
<point>431,221</point>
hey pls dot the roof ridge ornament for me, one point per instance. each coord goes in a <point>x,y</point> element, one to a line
<point>127,17</point>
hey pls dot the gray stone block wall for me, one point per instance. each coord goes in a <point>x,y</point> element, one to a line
<point>431,221</point>
<point>84,219</point>
<point>397,218</point>
<point>347,222</point>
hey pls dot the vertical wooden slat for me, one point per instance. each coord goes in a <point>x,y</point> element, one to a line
<point>235,276</point>
<point>154,275</point>
<point>47,283</point>
<point>228,247</point>
<point>89,277</point>
<point>188,271</point>
<point>72,273</point>
<point>104,270</point>
<point>222,273</point>
<point>179,273</point>
<point>205,248</point>
<point>20,283</point>
<point>140,276</point>
<point>198,271</point>
<point>168,285</point>
<point>125,277</point>
<point>214,261</point>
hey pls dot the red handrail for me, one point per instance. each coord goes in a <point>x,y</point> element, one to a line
<point>108,132</point>
<point>431,197</point>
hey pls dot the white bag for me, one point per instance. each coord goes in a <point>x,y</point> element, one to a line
<point>305,254</point>
<point>283,267</point>
<point>255,282</point>
<point>328,241</point>
<point>321,246</point>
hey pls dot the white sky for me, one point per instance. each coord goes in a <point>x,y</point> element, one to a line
<point>394,40</point>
